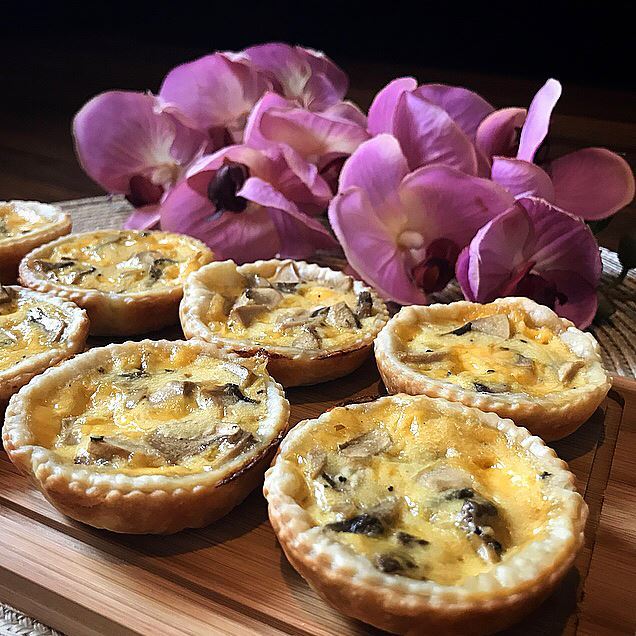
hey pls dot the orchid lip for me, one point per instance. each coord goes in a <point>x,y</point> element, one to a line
<point>410,239</point>
<point>224,185</point>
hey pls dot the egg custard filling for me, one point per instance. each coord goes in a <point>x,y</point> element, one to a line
<point>18,218</point>
<point>492,351</point>
<point>157,411</point>
<point>420,491</point>
<point>120,261</point>
<point>29,325</point>
<point>287,309</point>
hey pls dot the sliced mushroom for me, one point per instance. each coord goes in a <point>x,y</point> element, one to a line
<point>297,318</point>
<point>246,314</point>
<point>228,394</point>
<point>53,326</point>
<point>392,563</point>
<point>134,398</point>
<point>372,443</point>
<point>256,280</point>
<point>307,338</point>
<point>74,275</point>
<point>473,519</point>
<point>386,510</point>
<point>460,331</point>
<point>133,375</point>
<point>286,278</point>
<point>568,370</point>
<point>364,306</point>
<point>491,387</point>
<point>70,434</point>
<point>315,461</point>
<point>3,227</point>
<point>7,338</point>
<point>150,260</point>
<point>244,375</point>
<point>104,449</point>
<point>176,441</point>
<point>5,296</point>
<point>406,539</point>
<point>444,477</point>
<point>496,325</point>
<point>340,315</point>
<point>233,441</point>
<point>170,390</point>
<point>524,361</point>
<point>267,296</point>
<point>52,266</point>
<point>360,524</point>
<point>423,357</point>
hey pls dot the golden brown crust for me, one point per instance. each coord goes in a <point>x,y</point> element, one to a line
<point>142,504</point>
<point>552,417</point>
<point>14,249</point>
<point>111,313</point>
<point>76,332</point>
<point>291,366</point>
<point>482,604</point>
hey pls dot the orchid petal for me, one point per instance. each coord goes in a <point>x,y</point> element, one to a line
<point>592,183</point>
<point>450,204</point>
<point>497,133</point>
<point>120,135</point>
<point>145,218</point>
<point>244,237</point>
<point>428,135</point>
<point>384,104</point>
<point>466,108</point>
<point>537,124</point>
<point>323,65</point>
<point>215,92</point>
<point>373,252</point>
<point>346,111</point>
<point>522,178</point>
<point>378,167</point>
<point>300,234</point>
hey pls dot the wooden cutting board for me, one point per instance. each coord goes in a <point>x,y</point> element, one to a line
<point>232,577</point>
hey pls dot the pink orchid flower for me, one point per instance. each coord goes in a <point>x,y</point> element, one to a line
<point>592,183</point>
<point>246,204</point>
<point>534,249</point>
<point>129,145</point>
<point>216,94</point>
<point>402,231</point>
<point>434,123</point>
<point>324,139</point>
<point>308,78</point>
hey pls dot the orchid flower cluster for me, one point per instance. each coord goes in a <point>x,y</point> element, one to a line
<point>247,151</point>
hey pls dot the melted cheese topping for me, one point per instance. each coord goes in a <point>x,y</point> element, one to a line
<point>268,327</point>
<point>529,361</point>
<point>16,220</point>
<point>122,261</point>
<point>157,413</point>
<point>406,502</point>
<point>29,327</point>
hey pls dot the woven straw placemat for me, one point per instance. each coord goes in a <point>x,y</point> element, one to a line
<point>617,337</point>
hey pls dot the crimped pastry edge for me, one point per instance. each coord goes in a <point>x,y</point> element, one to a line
<point>14,249</point>
<point>113,313</point>
<point>291,366</point>
<point>481,604</point>
<point>16,376</point>
<point>135,503</point>
<point>551,417</point>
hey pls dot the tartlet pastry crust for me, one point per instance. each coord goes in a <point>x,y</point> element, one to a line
<point>117,313</point>
<point>551,416</point>
<point>480,604</point>
<point>290,365</point>
<point>151,502</point>
<point>72,341</point>
<point>13,247</point>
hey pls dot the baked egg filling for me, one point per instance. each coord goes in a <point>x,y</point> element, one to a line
<point>496,353</point>
<point>158,412</point>
<point>419,492</point>
<point>287,310</point>
<point>17,220</point>
<point>121,261</point>
<point>28,326</point>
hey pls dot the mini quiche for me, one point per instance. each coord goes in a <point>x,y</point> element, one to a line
<point>313,323</point>
<point>147,437</point>
<point>512,357</point>
<point>24,225</point>
<point>36,332</point>
<point>129,281</point>
<point>420,515</point>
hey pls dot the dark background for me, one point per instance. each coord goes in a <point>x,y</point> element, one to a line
<point>55,56</point>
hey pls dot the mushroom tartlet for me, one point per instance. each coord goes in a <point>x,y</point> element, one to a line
<point>147,437</point>
<point>420,515</point>
<point>512,357</point>
<point>129,281</point>
<point>36,332</point>
<point>24,225</point>
<point>313,323</point>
